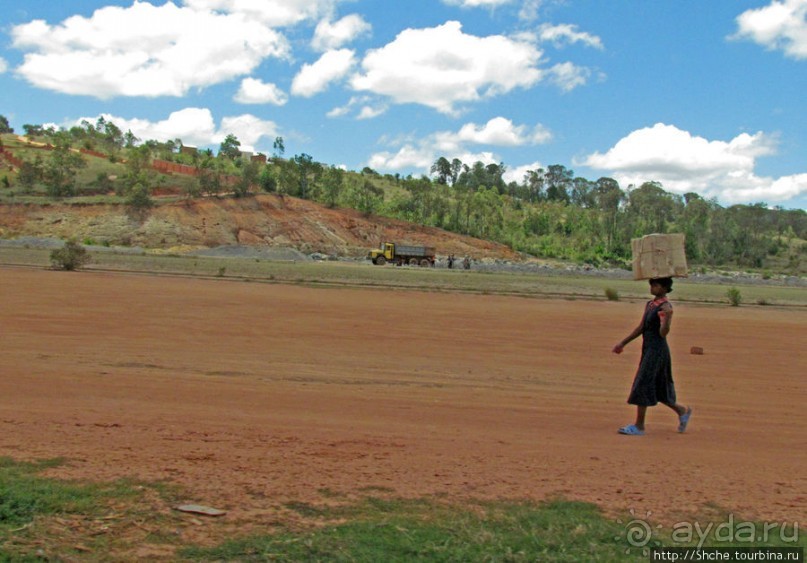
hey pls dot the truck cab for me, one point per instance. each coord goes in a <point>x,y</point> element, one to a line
<point>384,254</point>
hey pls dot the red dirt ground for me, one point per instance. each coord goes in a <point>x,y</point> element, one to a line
<point>249,395</point>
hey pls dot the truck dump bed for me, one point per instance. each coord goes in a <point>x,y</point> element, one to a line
<point>424,251</point>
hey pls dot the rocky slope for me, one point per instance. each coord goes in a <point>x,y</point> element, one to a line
<point>263,221</point>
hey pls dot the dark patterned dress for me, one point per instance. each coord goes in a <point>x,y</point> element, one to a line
<point>653,383</point>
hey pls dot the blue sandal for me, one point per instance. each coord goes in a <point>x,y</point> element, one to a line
<point>683,420</point>
<point>631,430</point>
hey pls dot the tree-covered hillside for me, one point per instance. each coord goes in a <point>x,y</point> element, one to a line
<point>549,213</point>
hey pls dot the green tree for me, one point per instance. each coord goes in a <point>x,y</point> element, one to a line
<point>103,183</point>
<point>80,136</point>
<point>420,192</point>
<point>694,222</point>
<point>130,140</point>
<point>439,206</point>
<point>30,173</point>
<point>308,173</point>
<point>533,185</point>
<point>487,214</point>
<point>304,164</point>
<point>139,201</point>
<point>278,147</point>
<point>442,169</point>
<point>100,124</point>
<point>268,180</point>
<point>495,176</point>
<point>71,256</point>
<point>652,209</point>
<point>139,160</point>
<point>165,150</point>
<point>333,182</point>
<point>193,189</point>
<point>481,175</point>
<point>113,138</point>
<point>751,234</point>
<point>287,177</point>
<point>793,221</point>
<point>32,131</point>
<point>4,125</point>
<point>209,175</point>
<point>247,179</point>
<point>230,147</point>
<point>608,197</point>
<point>138,169</point>
<point>734,296</point>
<point>471,177</point>
<point>456,168</point>
<point>60,171</point>
<point>87,128</point>
<point>558,180</point>
<point>718,248</point>
<point>363,195</point>
<point>583,193</point>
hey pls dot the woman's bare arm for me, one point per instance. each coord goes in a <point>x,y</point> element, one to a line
<point>624,342</point>
<point>665,316</point>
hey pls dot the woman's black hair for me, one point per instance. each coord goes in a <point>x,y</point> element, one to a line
<point>666,283</point>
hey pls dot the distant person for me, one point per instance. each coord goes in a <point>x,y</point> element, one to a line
<point>653,383</point>
<point>466,263</point>
<point>450,261</point>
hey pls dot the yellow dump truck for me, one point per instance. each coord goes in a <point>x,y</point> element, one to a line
<point>400,254</point>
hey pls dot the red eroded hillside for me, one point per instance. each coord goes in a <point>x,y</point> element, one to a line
<point>262,220</point>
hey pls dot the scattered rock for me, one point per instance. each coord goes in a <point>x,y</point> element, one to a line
<point>200,509</point>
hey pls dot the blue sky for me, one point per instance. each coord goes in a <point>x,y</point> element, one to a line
<point>700,96</point>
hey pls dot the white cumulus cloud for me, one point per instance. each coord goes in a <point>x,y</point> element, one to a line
<point>314,78</point>
<point>422,158</point>
<point>254,91</point>
<point>441,67</point>
<point>780,25</point>
<point>248,128</point>
<point>3,65</point>
<point>275,13</point>
<point>683,163</point>
<point>568,76</point>
<point>518,174</point>
<point>501,132</point>
<point>368,107</point>
<point>422,153</point>
<point>564,34</point>
<point>370,112</point>
<point>143,50</point>
<point>477,3</point>
<point>195,127</point>
<point>332,35</point>
<point>406,157</point>
<point>529,10</point>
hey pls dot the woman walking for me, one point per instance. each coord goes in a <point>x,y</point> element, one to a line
<point>653,383</point>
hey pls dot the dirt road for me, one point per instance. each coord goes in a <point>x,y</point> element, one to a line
<point>250,395</point>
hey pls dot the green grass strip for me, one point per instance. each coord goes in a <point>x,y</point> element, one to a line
<point>420,530</point>
<point>25,495</point>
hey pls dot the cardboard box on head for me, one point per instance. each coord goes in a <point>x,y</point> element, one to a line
<point>659,256</point>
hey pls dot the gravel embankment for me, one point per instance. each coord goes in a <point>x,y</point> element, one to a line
<point>485,265</point>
